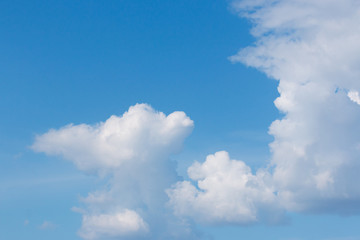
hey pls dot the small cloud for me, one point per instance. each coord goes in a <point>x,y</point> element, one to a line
<point>26,222</point>
<point>118,224</point>
<point>47,225</point>
<point>354,96</point>
<point>226,191</point>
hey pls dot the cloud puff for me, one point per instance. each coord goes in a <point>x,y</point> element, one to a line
<point>354,96</point>
<point>134,151</point>
<point>140,135</point>
<point>226,192</point>
<point>313,49</point>
<point>112,225</point>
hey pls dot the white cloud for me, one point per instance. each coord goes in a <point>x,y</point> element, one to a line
<point>140,135</point>
<point>133,150</point>
<point>112,225</point>
<point>354,96</point>
<point>313,49</point>
<point>227,192</point>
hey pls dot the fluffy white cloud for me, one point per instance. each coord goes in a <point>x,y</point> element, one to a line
<point>226,192</point>
<point>134,151</point>
<point>313,49</point>
<point>112,225</point>
<point>140,135</point>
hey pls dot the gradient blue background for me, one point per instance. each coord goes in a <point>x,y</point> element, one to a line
<point>76,62</point>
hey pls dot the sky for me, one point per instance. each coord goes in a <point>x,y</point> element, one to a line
<point>180,119</point>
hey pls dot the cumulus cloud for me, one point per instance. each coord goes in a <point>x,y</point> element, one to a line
<point>133,151</point>
<point>226,192</point>
<point>313,49</point>
<point>140,135</point>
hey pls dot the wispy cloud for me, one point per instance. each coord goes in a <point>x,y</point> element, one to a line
<point>47,225</point>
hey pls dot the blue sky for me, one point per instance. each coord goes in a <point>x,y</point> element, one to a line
<point>80,62</point>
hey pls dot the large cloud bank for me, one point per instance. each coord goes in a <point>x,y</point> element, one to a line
<point>313,49</point>
<point>133,152</point>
